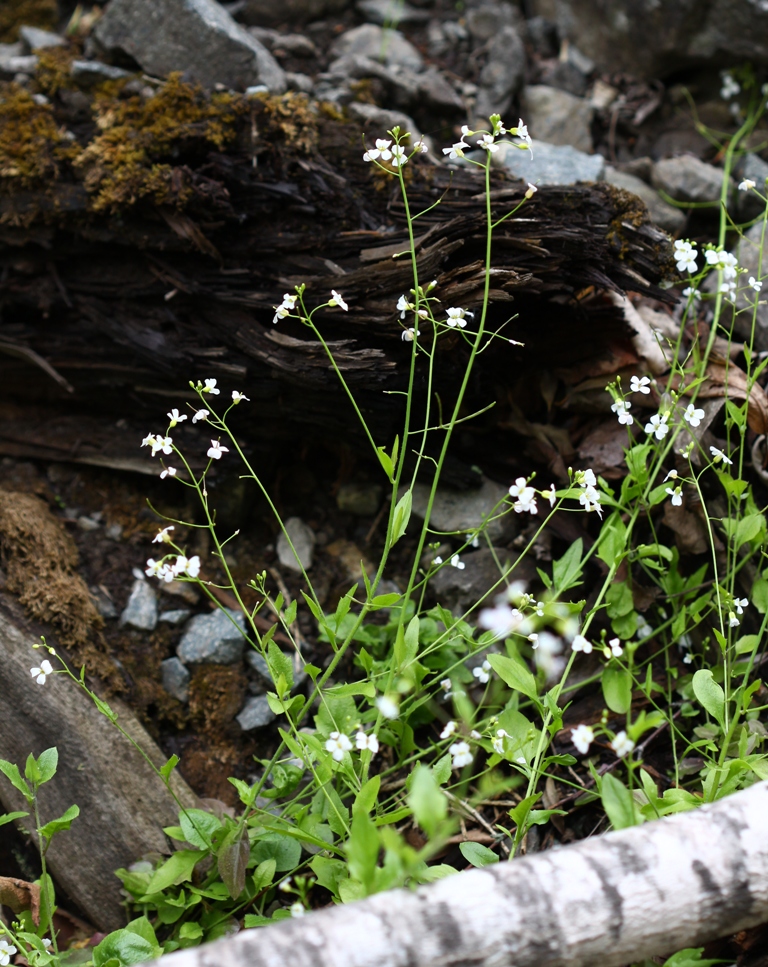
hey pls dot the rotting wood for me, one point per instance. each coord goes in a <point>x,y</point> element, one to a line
<point>610,900</point>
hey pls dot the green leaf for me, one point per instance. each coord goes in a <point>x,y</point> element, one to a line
<point>619,600</point>
<point>710,695</point>
<point>199,827</point>
<point>286,852</point>
<point>190,932</point>
<point>386,461</point>
<point>748,529</point>
<point>329,872</point>
<point>62,823</point>
<point>760,595</point>
<point>618,802</point>
<point>385,600</point>
<point>125,948</point>
<point>566,572</point>
<point>10,817</point>
<point>47,763</point>
<point>177,869</point>
<point>142,928</point>
<point>169,766</point>
<point>264,874</point>
<point>232,860</point>
<point>519,814</point>
<point>617,688</point>
<point>427,800</point>
<point>290,613</point>
<point>478,855</point>
<point>612,539</point>
<point>363,850</point>
<point>514,673</point>
<point>365,800</point>
<point>407,644</point>
<point>11,772</point>
<point>442,769</point>
<point>401,517</point>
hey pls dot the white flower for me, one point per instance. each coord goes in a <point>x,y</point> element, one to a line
<point>733,621</point>
<point>534,640</point>
<point>457,562</point>
<point>548,655</point>
<point>522,132</point>
<point>487,142</point>
<point>163,536</point>
<point>746,185</point>
<point>420,146</point>
<point>640,385</point>
<point>615,645</point>
<point>210,387</point>
<point>691,291</point>
<point>549,495</point>
<point>445,684</point>
<point>46,942</point>
<point>456,317</point>
<point>531,190</point>
<point>159,569</point>
<point>380,151</point>
<point>39,674</point>
<point>582,737</point>
<point>403,306</point>
<point>473,538</point>
<point>757,286</point>
<point>723,260</point>
<point>297,909</point>
<point>456,150</point>
<point>474,734</point>
<point>498,742</point>
<point>175,417</point>
<point>687,658</point>
<point>483,672</point>
<point>159,444</point>
<point>644,630</point>
<point>149,441</point>
<point>685,256</point>
<point>450,728</point>
<point>338,744</point>
<point>580,643</point>
<point>526,497</point>
<point>672,475</point>
<point>399,156</point>
<point>692,415</point>
<point>590,500</point>
<point>387,706</point>
<point>216,449</point>
<point>498,125</point>
<point>718,455</point>
<point>437,560</point>
<point>408,335</point>
<point>501,620</point>
<point>369,742</point>
<point>730,88</point>
<point>658,425</point>
<point>186,565</point>
<point>285,308</point>
<point>622,745</point>
<point>238,397</point>
<point>336,300</point>
<point>676,496</point>
<point>461,753</point>
<point>168,472</point>
<point>621,409</point>
<point>740,604</point>
<point>728,289</point>
<point>200,415</point>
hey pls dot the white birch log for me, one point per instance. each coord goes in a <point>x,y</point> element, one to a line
<point>650,890</point>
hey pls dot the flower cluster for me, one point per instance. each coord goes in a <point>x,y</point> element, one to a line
<point>171,570</point>
<point>285,308</point>
<point>159,444</point>
<point>525,497</point>
<point>685,256</point>
<point>395,154</point>
<point>621,409</point>
<point>487,141</point>
<point>457,317</point>
<point>590,495</point>
<point>338,744</point>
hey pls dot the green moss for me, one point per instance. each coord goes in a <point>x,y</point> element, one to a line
<point>288,120</point>
<point>33,148</point>
<point>53,70</point>
<point>20,13</point>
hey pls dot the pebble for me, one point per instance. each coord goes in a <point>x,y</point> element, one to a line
<point>13,65</point>
<point>687,179</point>
<point>551,164</point>
<point>383,44</point>
<point>89,72</point>
<point>175,678</point>
<point>177,617</point>
<point>557,117</point>
<point>463,510</point>
<point>213,639</point>
<point>114,532</point>
<point>361,499</point>
<point>104,604</point>
<point>388,12</point>
<point>33,38</point>
<point>141,610</point>
<point>748,205</point>
<point>88,523</point>
<point>502,76</point>
<point>256,713</point>
<point>666,216</point>
<point>379,119</point>
<point>303,539</point>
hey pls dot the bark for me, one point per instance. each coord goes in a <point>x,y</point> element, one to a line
<point>612,900</point>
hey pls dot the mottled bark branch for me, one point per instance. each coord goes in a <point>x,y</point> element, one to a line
<point>610,900</point>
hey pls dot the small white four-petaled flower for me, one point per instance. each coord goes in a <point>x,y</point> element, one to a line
<point>718,455</point>
<point>210,387</point>
<point>336,300</point>
<point>285,308</point>
<point>238,397</point>
<point>621,409</point>
<point>461,754</point>
<point>387,706</point>
<point>367,742</point>
<point>448,730</point>
<point>658,426</point>
<point>457,562</point>
<point>640,384</point>
<point>39,674</point>
<point>746,185</point>
<point>676,495</point>
<point>622,745</point>
<point>200,415</point>
<point>685,256</point>
<point>582,736</point>
<point>380,151</point>
<point>175,417</point>
<point>163,536</point>
<point>456,317</point>
<point>338,744</point>
<point>483,672</point>
<point>757,286</point>
<point>168,472</point>
<point>216,449</point>
<point>580,643</point>
<point>692,415</point>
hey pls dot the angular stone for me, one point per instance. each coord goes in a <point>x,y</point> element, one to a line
<point>379,119</point>
<point>748,255</point>
<point>388,12</point>
<point>665,216</point>
<point>385,45</point>
<point>502,77</point>
<point>176,617</point>
<point>265,12</point>
<point>10,66</point>
<point>89,72</point>
<point>461,588</point>
<point>195,36</point>
<point>256,713</point>
<point>213,638</point>
<point>141,610</point>
<point>303,539</point>
<point>748,205</point>
<point>175,678</point>
<point>464,510</point>
<point>557,117</point>
<point>34,38</point>
<point>687,179</point>
<point>551,164</point>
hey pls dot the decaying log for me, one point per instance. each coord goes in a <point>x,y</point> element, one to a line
<point>123,804</point>
<point>610,900</point>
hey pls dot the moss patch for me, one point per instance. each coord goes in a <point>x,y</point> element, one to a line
<point>21,13</point>
<point>33,147</point>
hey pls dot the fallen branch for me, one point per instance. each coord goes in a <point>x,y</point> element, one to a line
<point>676,883</point>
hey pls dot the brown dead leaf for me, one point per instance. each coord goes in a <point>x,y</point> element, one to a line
<point>690,532</point>
<point>19,895</point>
<point>724,379</point>
<point>603,448</point>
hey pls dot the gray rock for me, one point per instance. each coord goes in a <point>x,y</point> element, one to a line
<point>299,82</point>
<point>303,539</point>
<point>176,617</point>
<point>464,510</point>
<point>459,589</point>
<point>361,499</point>
<point>141,610</point>
<point>175,678</point>
<point>551,164</point>
<point>502,76</point>
<point>267,12</point>
<point>558,117</point>
<point>378,120</point>
<point>391,13</point>
<point>104,604</point>
<point>748,255</point>
<point>652,39</point>
<point>33,38</point>
<point>748,205</point>
<point>665,216</point>
<point>195,36</point>
<point>11,50</point>
<point>88,523</point>
<point>114,532</point>
<point>11,66</point>
<point>213,639</point>
<point>259,664</point>
<point>542,35</point>
<point>385,45</point>
<point>297,45</point>
<point>566,77</point>
<point>687,179</point>
<point>256,713</point>
<point>489,19</point>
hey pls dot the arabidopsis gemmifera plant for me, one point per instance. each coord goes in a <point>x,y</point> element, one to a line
<point>422,716</point>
